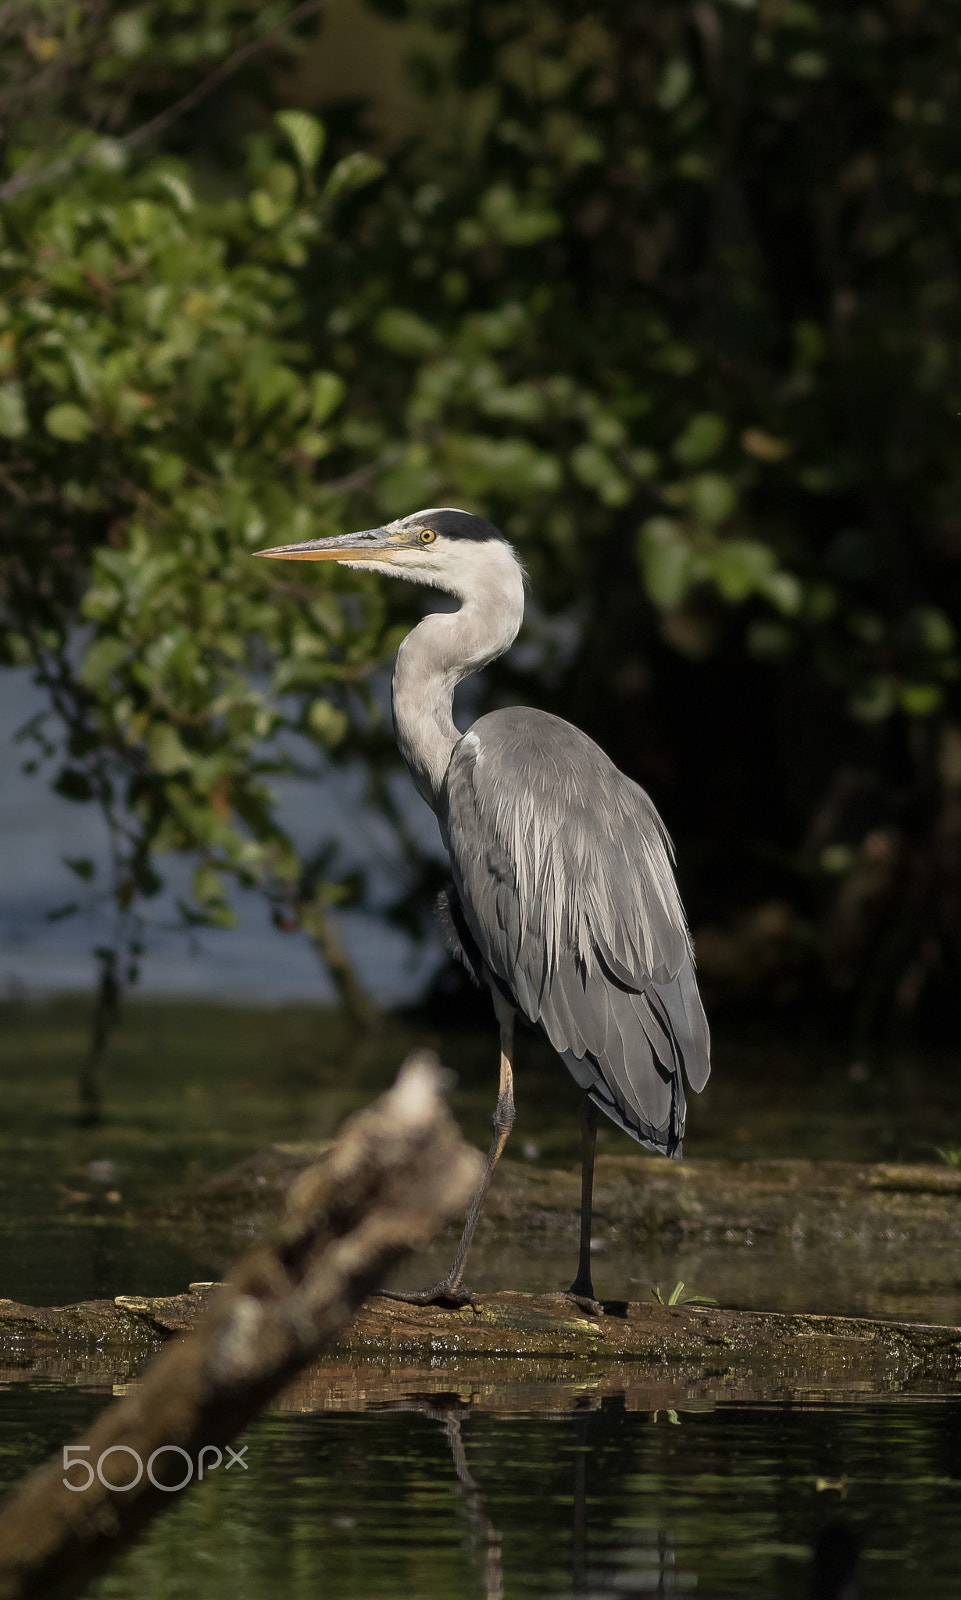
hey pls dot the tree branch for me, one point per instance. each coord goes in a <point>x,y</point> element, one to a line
<point>398,1172</point>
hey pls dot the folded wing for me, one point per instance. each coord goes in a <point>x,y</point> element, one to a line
<point>565,881</point>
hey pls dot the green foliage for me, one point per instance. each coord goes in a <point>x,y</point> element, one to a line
<point>727,414</point>
<point>673,296</point>
<point>677,1297</point>
<point>163,410</point>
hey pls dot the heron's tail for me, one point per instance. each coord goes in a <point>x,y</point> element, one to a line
<point>654,1048</point>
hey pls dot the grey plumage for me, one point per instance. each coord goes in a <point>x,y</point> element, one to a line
<point>562,870</point>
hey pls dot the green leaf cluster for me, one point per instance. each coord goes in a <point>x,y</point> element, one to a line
<point>163,411</point>
<point>673,297</point>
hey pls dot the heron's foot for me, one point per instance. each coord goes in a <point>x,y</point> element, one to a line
<point>586,1302</point>
<point>449,1295</point>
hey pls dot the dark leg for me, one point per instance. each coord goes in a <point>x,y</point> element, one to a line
<point>582,1284</point>
<point>583,1288</point>
<point>450,1290</point>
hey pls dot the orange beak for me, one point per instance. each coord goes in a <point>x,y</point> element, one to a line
<point>374,544</point>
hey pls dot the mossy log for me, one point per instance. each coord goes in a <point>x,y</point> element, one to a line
<point>513,1339</point>
<point>394,1348</point>
<point>637,1199</point>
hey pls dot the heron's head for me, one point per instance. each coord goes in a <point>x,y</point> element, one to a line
<point>441,547</point>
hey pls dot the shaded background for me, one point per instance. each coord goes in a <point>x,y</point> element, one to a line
<point>670,293</point>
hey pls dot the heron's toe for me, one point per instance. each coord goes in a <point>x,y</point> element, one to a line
<point>585,1302</point>
<point>450,1296</point>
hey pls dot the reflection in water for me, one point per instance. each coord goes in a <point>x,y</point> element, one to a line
<point>648,1565</point>
<point>484,1540</point>
<point>477,1493</point>
<point>837,1559</point>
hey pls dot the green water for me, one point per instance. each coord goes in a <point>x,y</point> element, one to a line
<point>597,1502</point>
<point>470,1496</point>
<point>194,1088</point>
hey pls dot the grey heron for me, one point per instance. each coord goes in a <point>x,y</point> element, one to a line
<point>564,902</point>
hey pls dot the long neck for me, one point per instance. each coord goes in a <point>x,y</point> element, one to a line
<point>442,650</point>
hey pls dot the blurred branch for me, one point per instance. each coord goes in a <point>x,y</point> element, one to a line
<point>354,998</point>
<point>398,1172</point>
<point>25,179</point>
<point>106,1015</point>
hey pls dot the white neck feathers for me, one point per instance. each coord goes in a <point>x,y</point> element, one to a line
<point>447,647</point>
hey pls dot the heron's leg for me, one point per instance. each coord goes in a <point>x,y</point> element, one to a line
<point>451,1289</point>
<point>583,1287</point>
<point>503,1123</point>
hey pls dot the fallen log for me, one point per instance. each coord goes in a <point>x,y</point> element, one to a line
<point>639,1200</point>
<point>512,1339</point>
<point>397,1173</point>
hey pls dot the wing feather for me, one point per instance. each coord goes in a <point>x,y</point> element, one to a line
<point>565,878</point>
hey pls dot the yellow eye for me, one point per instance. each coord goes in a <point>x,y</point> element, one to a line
<point>427,536</point>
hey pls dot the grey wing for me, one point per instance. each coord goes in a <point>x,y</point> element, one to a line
<point>563,872</point>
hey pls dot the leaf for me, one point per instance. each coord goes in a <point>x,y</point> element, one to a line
<point>784,591</point>
<point>406,333</point>
<point>874,700</point>
<point>675,85</point>
<point>81,865</point>
<point>73,784</point>
<point>353,172</point>
<point>167,470</point>
<point>702,437</point>
<point>306,135</point>
<point>711,498</point>
<point>515,220</point>
<point>207,886</point>
<point>313,444</point>
<point>764,446</point>
<point>103,656</point>
<point>213,916</point>
<point>327,722</point>
<point>109,154</point>
<point>130,32</point>
<point>180,191</point>
<point>594,467</point>
<point>933,628</point>
<point>264,209</point>
<point>739,567</point>
<point>770,641</point>
<point>271,385</point>
<point>167,753</point>
<point>921,699</point>
<point>13,413</point>
<point>327,390</point>
<point>677,1297</point>
<point>667,561</point>
<point>147,882</point>
<point>43,47</point>
<point>61,912</point>
<point>69,422</point>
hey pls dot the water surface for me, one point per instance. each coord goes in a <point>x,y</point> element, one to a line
<point>466,1493</point>
<point>429,1501</point>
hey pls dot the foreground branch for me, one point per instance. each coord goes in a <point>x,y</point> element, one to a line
<point>399,1172</point>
